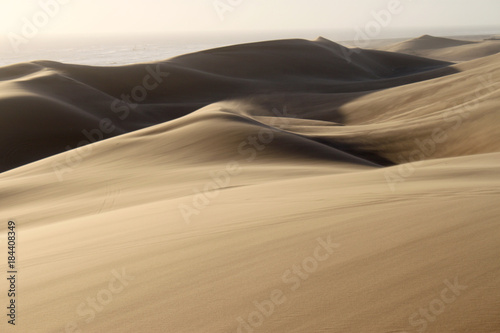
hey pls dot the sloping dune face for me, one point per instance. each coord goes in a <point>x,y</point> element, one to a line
<point>287,186</point>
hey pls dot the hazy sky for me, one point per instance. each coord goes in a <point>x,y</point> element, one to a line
<point>173,16</point>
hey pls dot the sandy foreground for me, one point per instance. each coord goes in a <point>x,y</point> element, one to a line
<point>284,186</point>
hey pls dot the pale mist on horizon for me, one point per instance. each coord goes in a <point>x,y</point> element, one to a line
<point>119,49</point>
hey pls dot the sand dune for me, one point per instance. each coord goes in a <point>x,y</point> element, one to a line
<point>446,49</point>
<point>72,100</point>
<point>286,186</point>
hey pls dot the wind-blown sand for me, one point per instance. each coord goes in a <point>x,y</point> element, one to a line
<point>284,186</point>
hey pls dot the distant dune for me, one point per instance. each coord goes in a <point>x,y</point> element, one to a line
<point>281,186</point>
<point>446,49</point>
